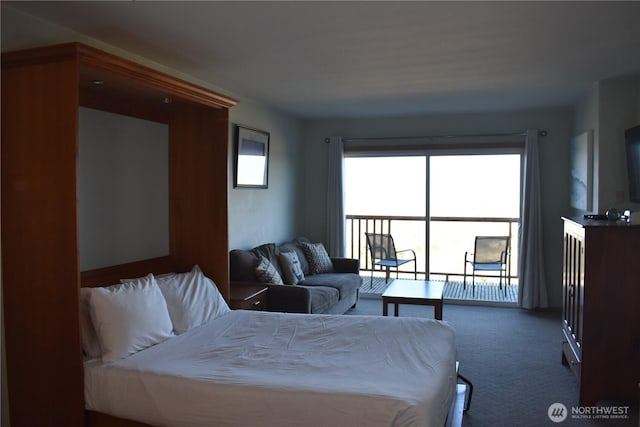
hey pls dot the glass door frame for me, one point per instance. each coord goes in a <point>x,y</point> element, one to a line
<point>462,149</point>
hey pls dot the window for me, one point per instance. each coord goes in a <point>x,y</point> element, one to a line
<point>471,195</point>
<point>393,186</point>
<point>434,204</point>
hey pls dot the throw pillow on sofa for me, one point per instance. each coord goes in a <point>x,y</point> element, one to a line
<point>291,268</point>
<point>270,252</point>
<point>294,246</point>
<point>319,260</point>
<point>267,273</point>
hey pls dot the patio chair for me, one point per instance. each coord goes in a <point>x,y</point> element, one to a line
<point>383,253</point>
<point>490,254</point>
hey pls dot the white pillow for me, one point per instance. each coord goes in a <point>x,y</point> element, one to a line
<point>192,299</point>
<point>129,317</point>
<point>90,344</point>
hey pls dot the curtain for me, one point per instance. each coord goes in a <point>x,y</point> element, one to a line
<point>532,292</point>
<point>335,198</point>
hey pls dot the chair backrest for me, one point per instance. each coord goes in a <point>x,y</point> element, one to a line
<point>381,246</point>
<point>491,249</point>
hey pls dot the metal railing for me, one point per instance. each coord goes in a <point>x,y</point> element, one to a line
<point>454,235</point>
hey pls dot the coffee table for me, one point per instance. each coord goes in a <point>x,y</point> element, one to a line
<point>418,292</point>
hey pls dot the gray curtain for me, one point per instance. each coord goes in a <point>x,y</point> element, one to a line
<point>532,290</point>
<point>335,198</point>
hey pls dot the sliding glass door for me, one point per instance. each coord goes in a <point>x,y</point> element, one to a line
<point>469,196</point>
<point>434,204</point>
<point>386,195</point>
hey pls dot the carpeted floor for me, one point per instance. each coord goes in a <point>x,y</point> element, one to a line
<point>513,358</point>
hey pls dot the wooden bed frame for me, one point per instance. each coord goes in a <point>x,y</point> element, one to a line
<point>42,91</point>
<point>97,419</point>
<point>110,275</point>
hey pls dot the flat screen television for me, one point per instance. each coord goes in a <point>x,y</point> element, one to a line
<point>632,143</point>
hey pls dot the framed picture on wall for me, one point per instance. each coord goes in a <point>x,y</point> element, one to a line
<point>251,158</point>
<point>581,156</point>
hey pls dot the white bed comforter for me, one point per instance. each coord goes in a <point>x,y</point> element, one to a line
<point>250,368</point>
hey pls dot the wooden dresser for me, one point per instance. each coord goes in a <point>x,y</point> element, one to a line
<point>601,308</point>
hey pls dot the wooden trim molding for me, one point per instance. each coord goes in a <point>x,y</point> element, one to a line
<point>98,419</point>
<point>112,274</point>
<point>149,77</point>
<point>95,59</point>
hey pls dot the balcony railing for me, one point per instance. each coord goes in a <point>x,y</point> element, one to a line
<point>450,238</point>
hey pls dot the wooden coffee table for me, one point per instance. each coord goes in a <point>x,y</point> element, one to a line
<point>418,292</point>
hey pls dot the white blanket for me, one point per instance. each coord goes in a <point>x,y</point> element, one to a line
<point>250,368</point>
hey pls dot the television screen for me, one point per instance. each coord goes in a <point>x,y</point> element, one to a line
<point>632,142</point>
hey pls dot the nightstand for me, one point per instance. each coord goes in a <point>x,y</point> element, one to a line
<point>248,297</point>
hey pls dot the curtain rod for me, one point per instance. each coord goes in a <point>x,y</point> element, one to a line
<point>477,135</point>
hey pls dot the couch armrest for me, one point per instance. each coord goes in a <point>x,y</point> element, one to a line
<point>346,265</point>
<point>288,299</point>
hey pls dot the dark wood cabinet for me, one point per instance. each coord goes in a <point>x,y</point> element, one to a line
<point>42,89</point>
<point>600,315</point>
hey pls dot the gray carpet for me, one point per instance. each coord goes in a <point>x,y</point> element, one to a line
<point>513,358</point>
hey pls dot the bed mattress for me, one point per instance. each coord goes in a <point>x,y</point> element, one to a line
<point>249,368</point>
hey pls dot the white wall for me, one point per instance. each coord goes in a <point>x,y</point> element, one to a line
<point>123,189</point>
<point>618,111</point>
<point>611,107</point>
<point>554,152</point>
<point>259,216</point>
<point>587,118</point>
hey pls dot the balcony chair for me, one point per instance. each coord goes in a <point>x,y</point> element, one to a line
<point>383,253</point>
<point>490,254</point>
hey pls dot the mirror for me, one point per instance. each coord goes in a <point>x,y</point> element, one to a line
<point>251,158</point>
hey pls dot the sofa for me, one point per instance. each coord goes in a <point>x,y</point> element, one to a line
<point>300,276</point>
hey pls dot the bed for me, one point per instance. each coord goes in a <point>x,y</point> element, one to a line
<point>220,367</point>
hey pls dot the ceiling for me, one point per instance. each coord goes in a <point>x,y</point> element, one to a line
<point>375,58</point>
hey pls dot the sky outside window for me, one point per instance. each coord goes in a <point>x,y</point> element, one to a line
<point>478,186</point>
<point>394,186</point>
